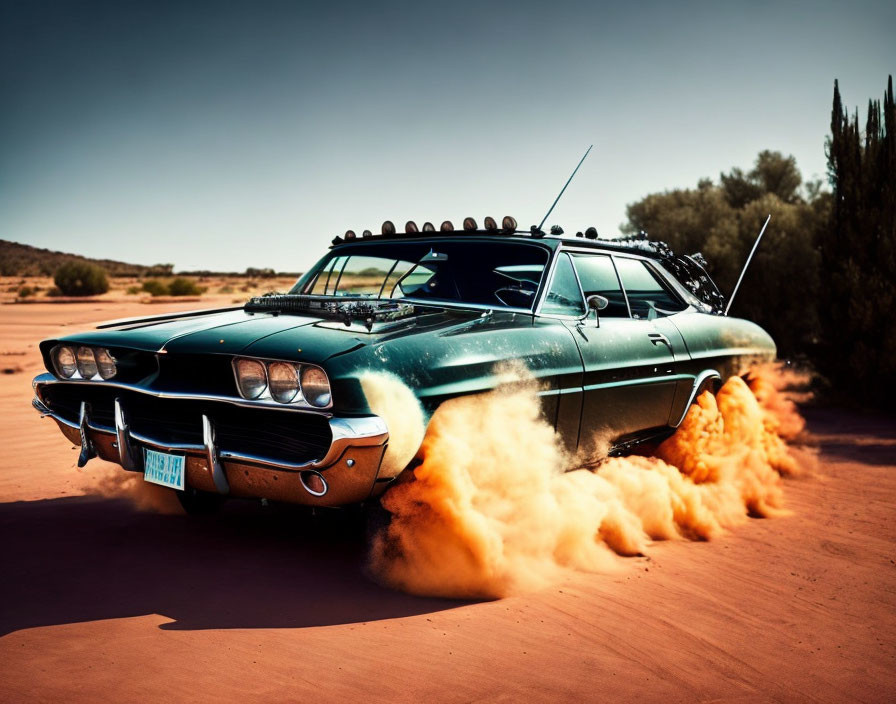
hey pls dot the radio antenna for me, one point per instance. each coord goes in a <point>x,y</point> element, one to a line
<point>550,210</point>
<point>744,270</point>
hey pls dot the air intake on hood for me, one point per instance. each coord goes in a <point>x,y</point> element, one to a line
<point>364,310</point>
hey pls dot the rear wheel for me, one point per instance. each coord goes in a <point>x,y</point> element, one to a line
<point>198,503</point>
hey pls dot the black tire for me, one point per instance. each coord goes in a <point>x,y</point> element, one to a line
<point>199,503</point>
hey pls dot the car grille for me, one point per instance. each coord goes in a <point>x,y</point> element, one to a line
<point>282,436</point>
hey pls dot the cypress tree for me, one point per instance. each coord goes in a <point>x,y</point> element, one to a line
<point>859,254</point>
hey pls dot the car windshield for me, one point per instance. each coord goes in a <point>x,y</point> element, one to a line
<point>491,273</point>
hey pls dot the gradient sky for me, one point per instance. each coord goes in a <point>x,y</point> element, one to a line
<point>223,135</point>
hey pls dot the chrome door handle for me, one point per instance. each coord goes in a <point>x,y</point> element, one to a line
<point>656,338</point>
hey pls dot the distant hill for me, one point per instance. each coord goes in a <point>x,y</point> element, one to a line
<point>24,260</point>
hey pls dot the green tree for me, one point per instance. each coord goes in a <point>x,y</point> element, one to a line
<point>722,221</point>
<point>81,279</point>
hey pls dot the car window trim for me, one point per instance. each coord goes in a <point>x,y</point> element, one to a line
<point>661,280</point>
<point>553,273</point>
<point>598,253</point>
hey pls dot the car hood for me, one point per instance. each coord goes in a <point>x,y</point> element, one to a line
<point>265,335</point>
<point>231,332</point>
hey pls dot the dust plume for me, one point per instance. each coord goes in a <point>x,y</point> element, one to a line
<point>390,399</point>
<point>111,481</point>
<point>492,511</point>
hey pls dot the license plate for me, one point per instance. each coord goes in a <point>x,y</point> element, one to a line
<point>162,468</point>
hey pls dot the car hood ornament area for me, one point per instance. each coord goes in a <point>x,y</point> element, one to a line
<point>364,310</point>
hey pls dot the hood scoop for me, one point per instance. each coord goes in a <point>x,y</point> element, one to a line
<point>345,310</point>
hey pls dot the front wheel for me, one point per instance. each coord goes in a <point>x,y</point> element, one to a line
<point>199,503</point>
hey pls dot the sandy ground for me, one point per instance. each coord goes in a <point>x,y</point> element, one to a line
<point>101,602</point>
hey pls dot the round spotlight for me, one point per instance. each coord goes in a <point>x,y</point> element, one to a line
<point>350,235</point>
<point>490,224</point>
<point>429,227</point>
<point>388,228</point>
<point>580,234</point>
<point>508,224</point>
<point>251,378</point>
<point>315,387</point>
<point>105,363</point>
<point>556,230</point>
<point>447,226</point>
<point>366,234</point>
<point>591,233</point>
<point>283,380</point>
<point>65,362</point>
<point>410,227</point>
<point>469,225</point>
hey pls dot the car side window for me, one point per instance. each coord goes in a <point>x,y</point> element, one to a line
<point>564,297</point>
<point>598,277</point>
<point>645,290</point>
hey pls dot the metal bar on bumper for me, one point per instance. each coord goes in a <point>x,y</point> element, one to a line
<point>365,431</point>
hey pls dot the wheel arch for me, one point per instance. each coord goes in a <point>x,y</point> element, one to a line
<point>708,379</point>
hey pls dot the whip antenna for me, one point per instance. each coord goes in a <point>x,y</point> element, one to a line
<point>744,270</point>
<point>563,189</point>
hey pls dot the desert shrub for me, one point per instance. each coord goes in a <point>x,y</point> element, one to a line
<point>26,291</point>
<point>81,279</point>
<point>155,287</point>
<point>133,290</point>
<point>226,289</point>
<point>54,292</point>
<point>184,287</point>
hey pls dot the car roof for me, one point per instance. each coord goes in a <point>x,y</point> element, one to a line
<point>640,246</point>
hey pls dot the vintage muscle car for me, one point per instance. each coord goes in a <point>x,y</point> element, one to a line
<point>264,400</point>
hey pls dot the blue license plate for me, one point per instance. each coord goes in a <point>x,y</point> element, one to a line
<point>164,469</point>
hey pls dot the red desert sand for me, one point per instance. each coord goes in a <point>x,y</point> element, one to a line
<point>105,600</point>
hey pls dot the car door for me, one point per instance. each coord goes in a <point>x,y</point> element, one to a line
<point>628,355</point>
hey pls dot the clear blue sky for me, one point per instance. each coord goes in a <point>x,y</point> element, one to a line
<point>231,134</point>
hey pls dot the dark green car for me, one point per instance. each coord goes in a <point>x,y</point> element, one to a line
<point>265,400</point>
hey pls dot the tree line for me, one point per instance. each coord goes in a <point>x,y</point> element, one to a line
<point>822,281</point>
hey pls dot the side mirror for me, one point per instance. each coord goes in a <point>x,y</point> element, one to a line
<point>597,303</point>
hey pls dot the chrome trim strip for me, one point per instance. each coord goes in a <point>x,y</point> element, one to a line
<point>47,378</point>
<point>699,380</point>
<point>162,317</point>
<point>211,452</point>
<point>126,456</point>
<point>637,382</point>
<point>87,451</point>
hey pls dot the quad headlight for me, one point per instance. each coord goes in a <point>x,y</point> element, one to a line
<point>83,362</point>
<point>251,378</point>
<point>315,387</point>
<point>87,363</point>
<point>284,382</point>
<point>64,361</point>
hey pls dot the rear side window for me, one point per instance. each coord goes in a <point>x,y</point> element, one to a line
<point>645,290</point>
<point>598,277</point>
<point>564,296</point>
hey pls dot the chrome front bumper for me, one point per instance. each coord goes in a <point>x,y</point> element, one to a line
<point>348,469</point>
